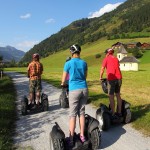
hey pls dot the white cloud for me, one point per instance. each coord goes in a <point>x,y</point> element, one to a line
<point>26,45</point>
<point>106,8</point>
<point>26,16</point>
<point>51,20</point>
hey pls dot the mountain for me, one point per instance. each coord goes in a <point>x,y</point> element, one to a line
<point>130,19</point>
<point>10,53</point>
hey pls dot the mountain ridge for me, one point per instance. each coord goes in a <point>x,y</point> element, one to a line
<point>10,53</point>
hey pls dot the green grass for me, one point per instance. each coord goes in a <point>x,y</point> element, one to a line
<point>135,88</point>
<point>7,112</point>
<point>146,58</point>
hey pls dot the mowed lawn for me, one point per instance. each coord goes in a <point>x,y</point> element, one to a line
<point>135,87</point>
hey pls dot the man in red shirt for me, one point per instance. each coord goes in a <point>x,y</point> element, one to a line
<point>114,78</point>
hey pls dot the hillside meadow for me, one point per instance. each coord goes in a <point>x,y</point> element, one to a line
<point>135,87</point>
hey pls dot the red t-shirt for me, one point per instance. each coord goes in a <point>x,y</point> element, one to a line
<point>111,64</point>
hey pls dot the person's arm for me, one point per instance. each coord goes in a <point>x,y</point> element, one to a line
<point>103,68</point>
<point>102,72</point>
<point>63,78</point>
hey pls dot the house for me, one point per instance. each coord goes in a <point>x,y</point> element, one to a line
<point>145,46</point>
<point>121,52</point>
<point>131,45</point>
<point>127,63</point>
<point>116,45</point>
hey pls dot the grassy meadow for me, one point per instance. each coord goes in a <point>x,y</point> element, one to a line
<point>7,112</point>
<point>135,87</point>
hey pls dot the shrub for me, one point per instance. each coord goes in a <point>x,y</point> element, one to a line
<point>97,55</point>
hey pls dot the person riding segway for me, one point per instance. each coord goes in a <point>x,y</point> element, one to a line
<point>89,136</point>
<point>36,99</point>
<point>113,84</point>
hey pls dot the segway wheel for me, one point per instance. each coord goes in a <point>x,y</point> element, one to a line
<point>128,116</point>
<point>95,139</point>
<point>57,144</point>
<point>104,121</point>
<point>24,108</point>
<point>45,105</point>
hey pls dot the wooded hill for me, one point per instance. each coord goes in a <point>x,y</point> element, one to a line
<point>130,17</point>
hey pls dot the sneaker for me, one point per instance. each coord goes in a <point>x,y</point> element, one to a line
<point>82,138</point>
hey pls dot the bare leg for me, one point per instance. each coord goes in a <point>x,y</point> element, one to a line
<point>112,103</point>
<point>82,124</point>
<point>72,124</point>
<point>119,102</point>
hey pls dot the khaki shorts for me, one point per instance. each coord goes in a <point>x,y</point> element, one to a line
<point>114,86</point>
<point>77,102</point>
<point>35,85</point>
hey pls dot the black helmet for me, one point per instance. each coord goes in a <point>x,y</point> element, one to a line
<point>75,48</point>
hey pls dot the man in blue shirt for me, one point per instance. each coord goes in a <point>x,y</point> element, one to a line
<point>78,91</point>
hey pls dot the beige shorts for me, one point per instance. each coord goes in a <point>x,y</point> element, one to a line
<point>77,102</point>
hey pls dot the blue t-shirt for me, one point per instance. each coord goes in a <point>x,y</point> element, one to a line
<point>76,68</point>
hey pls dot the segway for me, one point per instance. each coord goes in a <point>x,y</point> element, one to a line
<point>63,99</point>
<point>104,115</point>
<point>58,141</point>
<point>26,107</point>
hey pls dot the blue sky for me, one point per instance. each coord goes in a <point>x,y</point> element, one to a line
<point>24,23</point>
